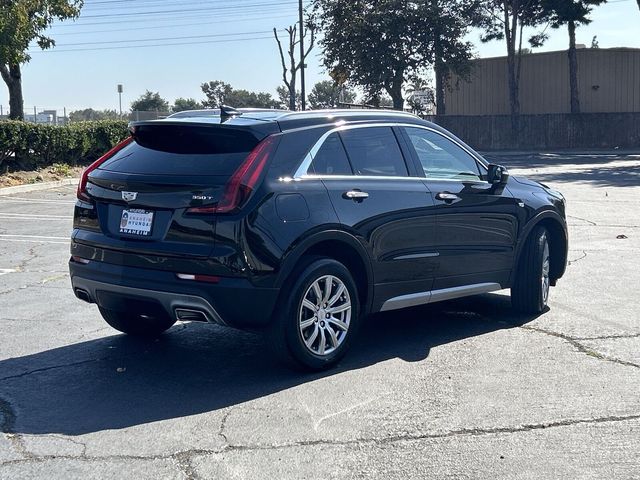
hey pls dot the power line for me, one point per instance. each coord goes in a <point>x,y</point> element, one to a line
<point>170,18</point>
<point>243,19</point>
<point>165,3</point>
<point>155,12</point>
<point>135,47</point>
<point>136,3</point>
<point>162,39</point>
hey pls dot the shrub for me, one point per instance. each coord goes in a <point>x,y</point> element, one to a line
<point>29,146</point>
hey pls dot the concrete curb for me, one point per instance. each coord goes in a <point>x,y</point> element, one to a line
<point>516,153</point>
<point>34,187</point>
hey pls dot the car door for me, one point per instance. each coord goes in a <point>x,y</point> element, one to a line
<point>385,206</point>
<point>476,222</point>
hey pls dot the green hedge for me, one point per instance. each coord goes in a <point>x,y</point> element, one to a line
<point>27,146</point>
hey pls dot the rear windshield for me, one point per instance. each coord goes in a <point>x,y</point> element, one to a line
<point>183,150</point>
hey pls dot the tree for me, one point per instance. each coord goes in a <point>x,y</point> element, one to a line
<point>246,99</point>
<point>216,92</point>
<point>182,104</point>
<point>23,22</point>
<point>150,102</point>
<point>89,114</point>
<point>220,93</point>
<point>290,71</point>
<point>381,44</point>
<point>450,53</point>
<point>284,98</point>
<point>370,43</point>
<point>328,94</point>
<point>505,20</point>
<point>571,13</point>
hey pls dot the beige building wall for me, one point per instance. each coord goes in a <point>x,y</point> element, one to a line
<point>608,81</point>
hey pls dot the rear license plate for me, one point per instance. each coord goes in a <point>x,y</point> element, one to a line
<point>136,222</point>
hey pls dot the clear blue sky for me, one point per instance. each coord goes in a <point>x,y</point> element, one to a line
<point>230,41</point>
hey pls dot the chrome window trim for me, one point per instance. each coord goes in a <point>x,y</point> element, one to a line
<point>302,171</point>
<point>349,177</point>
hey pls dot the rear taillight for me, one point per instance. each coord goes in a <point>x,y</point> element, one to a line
<point>244,181</point>
<point>82,185</point>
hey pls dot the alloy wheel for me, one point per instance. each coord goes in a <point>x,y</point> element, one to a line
<point>325,315</point>
<point>545,273</point>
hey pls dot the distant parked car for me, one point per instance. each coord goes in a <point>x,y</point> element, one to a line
<point>301,224</point>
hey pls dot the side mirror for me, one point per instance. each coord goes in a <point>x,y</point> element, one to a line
<point>497,175</point>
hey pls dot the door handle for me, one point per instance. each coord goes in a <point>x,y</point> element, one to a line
<point>356,195</point>
<point>447,197</point>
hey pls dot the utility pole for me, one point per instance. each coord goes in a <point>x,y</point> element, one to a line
<point>302,65</point>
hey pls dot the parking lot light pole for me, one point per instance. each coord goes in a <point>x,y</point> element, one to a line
<point>120,90</point>
<point>302,87</point>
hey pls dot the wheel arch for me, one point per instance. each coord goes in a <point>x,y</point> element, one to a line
<point>340,246</point>
<point>558,242</point>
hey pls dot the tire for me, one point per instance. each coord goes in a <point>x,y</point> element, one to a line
<point>137,324</point>
<point>530,290</point>
<point>304,335</point>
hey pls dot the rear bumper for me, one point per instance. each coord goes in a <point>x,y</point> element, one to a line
<point>233,302</point>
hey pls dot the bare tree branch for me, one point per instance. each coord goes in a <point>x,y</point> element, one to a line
<point>313,40</point>
<point>284,66</point>
<point>290,72</point>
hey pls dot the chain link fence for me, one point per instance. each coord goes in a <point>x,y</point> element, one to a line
<point>64,115</point>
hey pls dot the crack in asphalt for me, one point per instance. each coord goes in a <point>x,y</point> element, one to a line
<point>579,346</point>
<point>176,330</point>
<point>576,260</point>
<point>608,337</point>
<point>183,458</point>
<point>40,283</point>
<point>182,461</point>
<point>594,224</point>
<point>32,256</point>
<point>52,367</point>
<point>223,425</point>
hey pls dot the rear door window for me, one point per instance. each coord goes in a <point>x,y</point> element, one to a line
<point>331,159</point>
<point>374,151</point>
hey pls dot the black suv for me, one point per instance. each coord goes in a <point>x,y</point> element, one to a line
<point>302,224</point>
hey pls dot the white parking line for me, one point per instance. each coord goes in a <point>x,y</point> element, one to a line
<point>33,236</point>
<point>30,216</point>
<point>36,200</point>
<point>31,241</point>
<point>34,239</point>
<point>4,271</point>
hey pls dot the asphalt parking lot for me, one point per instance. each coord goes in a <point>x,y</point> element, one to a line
<point>463,389</point>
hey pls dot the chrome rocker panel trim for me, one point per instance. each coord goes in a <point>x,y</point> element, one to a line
<point>422,298</point>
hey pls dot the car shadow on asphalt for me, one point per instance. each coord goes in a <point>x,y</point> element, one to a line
<point>599,173</point>
<point>118,382</point>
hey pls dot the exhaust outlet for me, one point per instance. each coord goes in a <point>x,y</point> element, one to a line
<point>188,315</point>
<point>83,295</point>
